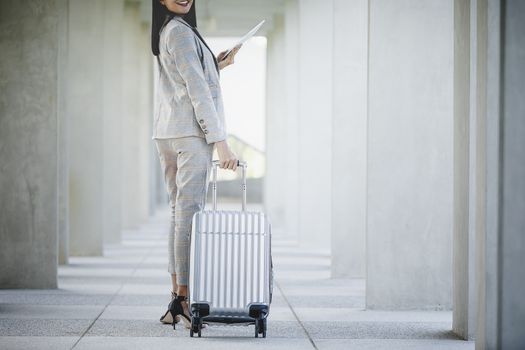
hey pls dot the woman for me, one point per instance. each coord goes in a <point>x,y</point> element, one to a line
<point>188,124</point>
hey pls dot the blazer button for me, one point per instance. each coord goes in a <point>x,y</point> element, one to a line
<point>201,121</point>
<point>203,126</point>
<point>205,131</point>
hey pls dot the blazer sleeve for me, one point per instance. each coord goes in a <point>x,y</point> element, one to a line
<point>182,47</point>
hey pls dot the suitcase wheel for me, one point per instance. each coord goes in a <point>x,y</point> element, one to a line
<point>196,326</point>
<point>260,327</point>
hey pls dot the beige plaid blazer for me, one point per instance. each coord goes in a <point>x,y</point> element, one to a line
<point>189,97</point>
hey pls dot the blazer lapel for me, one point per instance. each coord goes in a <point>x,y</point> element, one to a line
<point>201,39</point>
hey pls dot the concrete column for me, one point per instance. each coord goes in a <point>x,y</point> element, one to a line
<point>160,195</point>
<point>282,120</point>
<point>145,120</point>
<point>461,241</point>
<point>86,110</point>
<point>349,124</point>
<point>469,161</point>
<point>511,280</point>
<point>315,123</point>
<point>503,317</point>
<point>276,129</point>
<point>479,129</point>
<point>291,60</point>
<point>31,44</point>
<point>487,325</point>
<point>113,20</point>
<point>63,142</point>
<point>136,112</point>
<point>410,115</point>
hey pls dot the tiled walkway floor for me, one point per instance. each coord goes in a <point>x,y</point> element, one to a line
<point>115,301</point>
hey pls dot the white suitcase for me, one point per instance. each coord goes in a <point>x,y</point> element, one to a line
<point>231,277</point>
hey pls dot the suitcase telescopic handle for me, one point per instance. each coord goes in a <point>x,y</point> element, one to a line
<point>243,167</point>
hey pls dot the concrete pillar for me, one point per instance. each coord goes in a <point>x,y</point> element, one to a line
<point>136,111</point>
<point>276,129</point>
<point>469,160</point>
<point>461,241</point>
<point>145,121</point>
<point>503,318</point>
<point>480,159</point>
<point>315,123</point>
<point>410,114</point>
<point>349,124</point>
<point>113,20</point>
<point>161,197</point>
<point>63,143</point>
<point>86,110</point>
<point>478,155</point>
<point>31,44</point>
<point>291,60</point>
<point>511,280</point>
<point>487,325</point>
<point>282,120</point>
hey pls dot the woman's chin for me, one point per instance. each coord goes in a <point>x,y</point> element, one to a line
<point>183,9</point>
<point>181,12</point>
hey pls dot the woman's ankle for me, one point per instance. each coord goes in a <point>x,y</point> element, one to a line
<point>174,285</point>
<point>182,291</point>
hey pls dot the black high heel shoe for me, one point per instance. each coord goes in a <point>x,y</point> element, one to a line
<point>177,309</point>
<point>168,318</point>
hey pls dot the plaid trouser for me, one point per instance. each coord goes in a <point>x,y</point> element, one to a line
<point>186,163</point>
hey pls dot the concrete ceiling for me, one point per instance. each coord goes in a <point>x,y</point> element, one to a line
<point>236,17</point>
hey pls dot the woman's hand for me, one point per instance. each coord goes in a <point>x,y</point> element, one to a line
<point>227,159</point>
<point>224,62</point>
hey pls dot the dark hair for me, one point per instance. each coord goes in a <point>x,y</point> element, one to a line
<point>160,16</point>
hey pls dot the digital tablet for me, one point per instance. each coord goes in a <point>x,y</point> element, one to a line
<point>245,37</point>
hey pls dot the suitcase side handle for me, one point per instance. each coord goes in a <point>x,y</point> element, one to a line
<point>243,165</point>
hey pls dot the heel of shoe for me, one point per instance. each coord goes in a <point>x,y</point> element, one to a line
<point>177,312</point>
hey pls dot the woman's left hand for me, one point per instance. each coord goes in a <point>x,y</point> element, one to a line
<point>225,62</point>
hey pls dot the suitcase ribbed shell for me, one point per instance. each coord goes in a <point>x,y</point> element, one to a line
<point>230,264</point>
